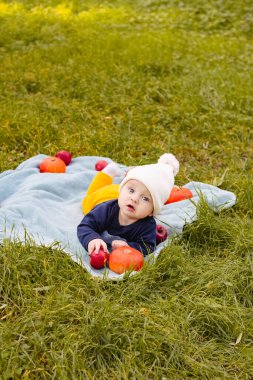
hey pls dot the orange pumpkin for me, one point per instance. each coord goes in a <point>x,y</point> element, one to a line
<point>125,258</point>
<point>52,165</point>
<point>179,194</point>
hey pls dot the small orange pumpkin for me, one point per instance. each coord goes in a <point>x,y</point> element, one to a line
<point>52,165</point>
<point>179,194</point>
<point>125,258</point>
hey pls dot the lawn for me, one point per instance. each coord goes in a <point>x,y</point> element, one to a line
<point>131,80</point>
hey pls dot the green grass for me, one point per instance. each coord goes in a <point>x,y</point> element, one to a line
<point>131,80</point>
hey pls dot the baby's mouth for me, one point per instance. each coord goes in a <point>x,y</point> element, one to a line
<point>131,207</point>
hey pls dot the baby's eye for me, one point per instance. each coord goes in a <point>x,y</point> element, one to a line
<point>145,199</point>
<point>131,190</point>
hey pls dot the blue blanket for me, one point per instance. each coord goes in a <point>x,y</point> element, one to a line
<point>46,208</point>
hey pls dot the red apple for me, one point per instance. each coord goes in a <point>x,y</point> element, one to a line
<point>98,260</point>
<point>161,234</point>
<point>100,165</point>
<point>65,156</point>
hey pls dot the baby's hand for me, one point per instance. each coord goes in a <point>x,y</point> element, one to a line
<point>95,245</point>
<point>119,243</point>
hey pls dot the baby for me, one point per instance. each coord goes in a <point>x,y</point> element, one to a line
<point>123,215</point>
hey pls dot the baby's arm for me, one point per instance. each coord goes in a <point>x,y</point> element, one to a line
<point>90,229</point>
<point>146,241</point>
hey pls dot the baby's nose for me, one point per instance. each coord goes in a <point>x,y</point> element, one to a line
<point>134,197</point>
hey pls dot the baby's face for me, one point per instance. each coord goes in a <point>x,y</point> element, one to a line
<point>135,201</point>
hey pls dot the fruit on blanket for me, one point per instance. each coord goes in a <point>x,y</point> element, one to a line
<point>52,165</point>
<point>125,258</point>
<point>179,194</point>
<point>98,260</point>
<point>65,156</point>
<point>100,165</point>
<point>161,234</point>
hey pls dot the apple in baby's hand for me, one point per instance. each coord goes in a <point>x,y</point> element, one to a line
<point>100,165</point>
<point>98,260</point>
<point>65,156</point>
<point>161,234</point>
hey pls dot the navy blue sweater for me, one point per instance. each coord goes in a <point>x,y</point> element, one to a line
<point>102,222</point>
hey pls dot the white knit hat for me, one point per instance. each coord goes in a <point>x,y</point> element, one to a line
<point>158,178</point>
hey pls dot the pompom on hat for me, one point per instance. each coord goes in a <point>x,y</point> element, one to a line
<point>158,178</point>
